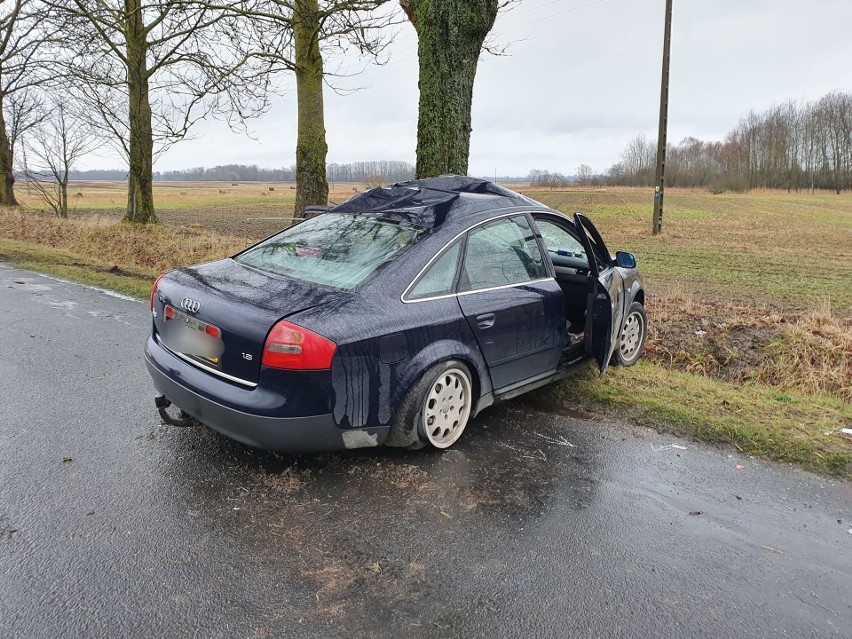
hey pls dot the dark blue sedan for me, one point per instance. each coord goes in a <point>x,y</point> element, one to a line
<point>393,318</point>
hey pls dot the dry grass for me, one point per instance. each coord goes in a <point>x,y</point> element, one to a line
<point>151,247</point>
<point>804,351</point>
<point>110,198</point>
<point>108,195</point>
<point>814,355</point>
<point>249,211</point>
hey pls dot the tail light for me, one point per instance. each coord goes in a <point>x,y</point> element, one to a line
<point>154,289</point>
<point>296,348</point>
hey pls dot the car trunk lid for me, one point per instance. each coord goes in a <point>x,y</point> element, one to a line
<point>217,315</point>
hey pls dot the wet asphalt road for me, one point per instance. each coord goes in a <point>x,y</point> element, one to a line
<point>535,526</point>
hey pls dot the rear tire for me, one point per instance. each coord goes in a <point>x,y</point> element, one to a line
<point>435,410</point>
<point>631,341</point>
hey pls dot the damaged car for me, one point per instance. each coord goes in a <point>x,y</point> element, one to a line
<point>391,319</point>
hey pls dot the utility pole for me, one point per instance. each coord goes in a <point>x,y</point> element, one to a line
<point>660,180</point>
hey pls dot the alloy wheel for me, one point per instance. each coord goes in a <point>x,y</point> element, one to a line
<point>632,336</point>
<point>447,408</point>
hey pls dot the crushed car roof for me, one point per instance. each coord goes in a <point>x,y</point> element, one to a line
<point>432,201</point>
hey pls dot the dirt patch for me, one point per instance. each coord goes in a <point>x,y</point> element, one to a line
<point>714,339</point>
<point>805,351</point>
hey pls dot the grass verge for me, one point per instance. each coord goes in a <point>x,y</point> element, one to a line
<point>781,425</point>
<point>59,263</point>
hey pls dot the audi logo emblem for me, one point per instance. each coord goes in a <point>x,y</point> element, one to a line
<point>189,305</point>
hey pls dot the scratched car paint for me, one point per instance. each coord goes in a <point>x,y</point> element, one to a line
<point>393,318</point>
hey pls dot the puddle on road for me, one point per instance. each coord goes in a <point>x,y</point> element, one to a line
<point>373,532</point>
<point>28,284</point>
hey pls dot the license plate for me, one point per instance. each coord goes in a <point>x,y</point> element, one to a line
<point>189,335</point>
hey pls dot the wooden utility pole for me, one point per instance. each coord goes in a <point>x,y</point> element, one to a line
<point>660,181</point>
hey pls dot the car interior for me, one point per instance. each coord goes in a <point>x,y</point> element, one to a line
<point>572,273</point>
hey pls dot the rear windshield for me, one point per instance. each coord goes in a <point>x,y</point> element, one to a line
<point>333,249</point>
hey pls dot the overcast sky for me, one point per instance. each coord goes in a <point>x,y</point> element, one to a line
<point>580,79</point>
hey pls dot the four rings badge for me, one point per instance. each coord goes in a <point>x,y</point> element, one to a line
<point>190,305</point>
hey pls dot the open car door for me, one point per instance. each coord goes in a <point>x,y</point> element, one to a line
<point>604,310</point>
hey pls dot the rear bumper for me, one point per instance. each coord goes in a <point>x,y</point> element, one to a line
<point>310,434</point>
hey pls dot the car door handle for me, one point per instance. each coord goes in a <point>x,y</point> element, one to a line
<point>485,321</point>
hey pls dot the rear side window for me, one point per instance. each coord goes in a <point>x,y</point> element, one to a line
<point>439,277</point>
<point>501,253</point>
<point>337,250</point>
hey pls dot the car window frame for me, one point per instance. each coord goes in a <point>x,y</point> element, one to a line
<point>536,241</point>
<point>568,225</point>
<point>462,241</point>
<point>599,246</point>
<point>568,230</point>
<point>548,265</point>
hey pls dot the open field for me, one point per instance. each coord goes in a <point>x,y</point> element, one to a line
<point>219,207</point>
<point>749,296</point>
<point>779,249</point>
<point>791,250</point>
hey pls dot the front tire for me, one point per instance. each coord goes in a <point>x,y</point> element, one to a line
<point>631,342</point>
<point>436,409</point>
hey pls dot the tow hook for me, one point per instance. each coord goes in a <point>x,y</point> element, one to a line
<point>183,419</point>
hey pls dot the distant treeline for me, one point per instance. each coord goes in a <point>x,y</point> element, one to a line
<point>96,174</point>
<point>384,171</point>
<point>379,172</point>
<point>790,146</point>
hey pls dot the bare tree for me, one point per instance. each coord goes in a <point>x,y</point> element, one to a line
<point>546,179</point>
<point>148,70</point>
<point>836,111</point>
<point>638,159</point>
<point>584,174</point>
<point>789,146</point>
<point>55,145</point>
<point>535,176</point>
<point>23,34</point>
<point>25,109</point>
<point>301,36</point>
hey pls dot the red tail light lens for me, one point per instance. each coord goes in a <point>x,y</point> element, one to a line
<point>154,289</point>
<point>296,348</point>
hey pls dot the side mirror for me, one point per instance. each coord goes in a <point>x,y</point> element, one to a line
<point>623,259</point>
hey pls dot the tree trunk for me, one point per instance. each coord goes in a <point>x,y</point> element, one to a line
<point>63,196</point>
<point>7,169</point>
<point>140,182</point>
<point>311,147</point>
<point>450,37</point>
